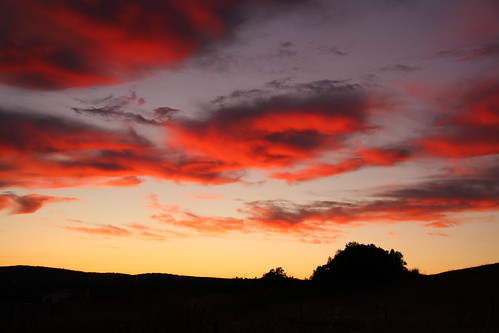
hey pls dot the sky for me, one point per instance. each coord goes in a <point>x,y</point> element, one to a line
<point>224,138</point>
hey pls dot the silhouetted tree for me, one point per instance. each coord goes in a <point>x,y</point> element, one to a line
<point>275,274</point>
<point>362,265</point>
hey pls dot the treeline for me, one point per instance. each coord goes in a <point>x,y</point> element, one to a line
<point>357,264</point>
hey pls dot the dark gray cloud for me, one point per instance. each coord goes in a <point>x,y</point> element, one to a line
<point>400,68</point>
<point>116,113</point>
<point>332,50</point>
<point>120,108</point>
<point>487,50</point>
<point>309,90</point>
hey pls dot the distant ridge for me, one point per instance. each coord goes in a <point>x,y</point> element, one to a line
<point>18,268</point>
<point>486,267</point>
<point>44,299</point>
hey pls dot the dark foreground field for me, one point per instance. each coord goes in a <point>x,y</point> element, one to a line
<point>37,299</point>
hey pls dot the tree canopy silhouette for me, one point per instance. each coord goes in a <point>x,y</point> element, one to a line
<point>362,265</point>
<point>275,274</point>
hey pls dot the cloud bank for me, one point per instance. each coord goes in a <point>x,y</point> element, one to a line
<point>66,43</point>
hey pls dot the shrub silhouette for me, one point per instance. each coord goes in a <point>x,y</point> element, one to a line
<point>362,265</point>
<point>275,274</point>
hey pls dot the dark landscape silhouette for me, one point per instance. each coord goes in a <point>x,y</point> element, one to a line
<point>362,288</point>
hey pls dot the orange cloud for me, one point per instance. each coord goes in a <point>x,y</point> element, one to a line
<point>29,203</point>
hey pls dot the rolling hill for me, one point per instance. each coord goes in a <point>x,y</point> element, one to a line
<point>41,299</point>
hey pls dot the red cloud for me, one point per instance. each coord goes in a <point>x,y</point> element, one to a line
<point>68,43</point>
<point>288,129</point>
<point>366,157</point>
<point>473,127</point>
<point>320,170</point>
<point>278,131</point>
<point>44,151</point>
<point>128,181</point>
<point>442,224</point>
<point>27,204</point>
<point>385,157</point>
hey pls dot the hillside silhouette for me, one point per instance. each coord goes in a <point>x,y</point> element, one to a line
<point>41,299</point>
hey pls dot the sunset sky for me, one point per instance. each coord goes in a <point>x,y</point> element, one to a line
<point>227,137</point>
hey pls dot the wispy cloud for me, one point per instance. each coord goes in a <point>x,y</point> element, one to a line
<point>29,203</point>
<point>190,224</point>
<point>106,230</point>
<point>124,108</point>
<point>173,215</point>
<point>400,68</point>
<point>473,53</point>
<point>432,203</point>
<point>132,230</point>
